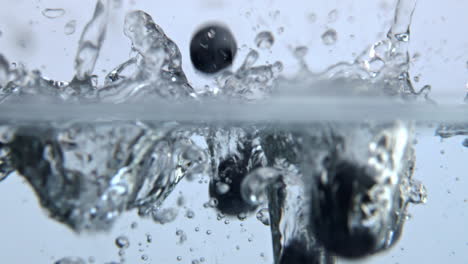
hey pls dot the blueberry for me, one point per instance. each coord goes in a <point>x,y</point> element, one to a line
<point>232,172</point>
<point>296,253</point>
<point>333,206</point>
<point>212,49</point>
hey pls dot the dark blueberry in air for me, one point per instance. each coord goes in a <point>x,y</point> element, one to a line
<point>231,172</point>
<point>333,206</point>
<point>212,49</point>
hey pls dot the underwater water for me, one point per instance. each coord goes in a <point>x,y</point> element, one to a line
<point>298,152</point>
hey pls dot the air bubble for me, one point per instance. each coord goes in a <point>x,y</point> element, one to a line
<point>263,216</point>
<point>264,40</point>
<point>122,242</point>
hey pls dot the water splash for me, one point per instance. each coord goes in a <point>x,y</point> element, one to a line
<point>91,41</point>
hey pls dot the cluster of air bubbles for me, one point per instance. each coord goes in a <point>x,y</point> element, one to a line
<point>182,236</point>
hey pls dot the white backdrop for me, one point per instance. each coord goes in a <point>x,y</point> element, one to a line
<point>436,233</point>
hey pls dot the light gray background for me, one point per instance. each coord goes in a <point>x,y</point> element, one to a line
<point>437,232</point>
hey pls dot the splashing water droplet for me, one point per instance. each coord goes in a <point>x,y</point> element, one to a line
<point>122,242</point>
<point>264,40</point>
<point>263,216</point>
<point>91,41</point>
<point>70,27</point>
<point>53,12</point>
<point>329,37</point>
<point>333,16</point>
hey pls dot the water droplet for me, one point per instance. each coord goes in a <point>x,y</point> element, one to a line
<point>208,232</point>
<point>144,257</point>
<point>263,216</point>
<point>53,12</point>
<point>329,37</point>
<point>195,261</point>
<point>333,16</point>
<point>179,258</point>
<point>70,27</point>
<point>134,225</point>
<point>122,242</point>
<point>197,229</point>
<point>312,17</point>
<point>264,40</point>
<point>226,221</point>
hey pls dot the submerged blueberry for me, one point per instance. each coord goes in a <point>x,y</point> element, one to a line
<point>339,220</point>
<point>212,49</point>
<point>231,172</point>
